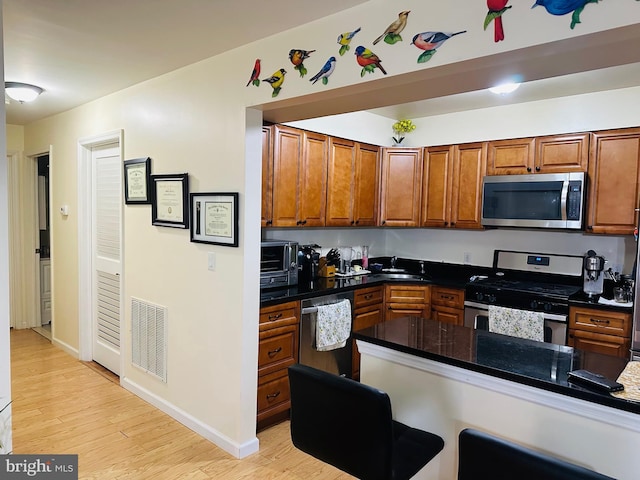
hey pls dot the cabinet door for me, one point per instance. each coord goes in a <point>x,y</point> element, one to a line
<point>287,154</point>
<point>365,200</point>
<point>312,181</point>
<point>340,183</point>
<point>562,153</point>
<point>267,176</point>
<point>447,314</point>
<point>469,168</point>
<point>437,179</point>
<point>509,157</point>
<point>614,176</point>
<point>400,187</point>
<point>599,343</point>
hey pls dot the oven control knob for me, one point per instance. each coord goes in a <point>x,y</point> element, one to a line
<point>534,304</point>
<point>547,307</point>
<point>491,298</point>
<point>479,296</point>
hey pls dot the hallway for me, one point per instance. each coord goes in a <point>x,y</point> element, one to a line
<point>60,405</point>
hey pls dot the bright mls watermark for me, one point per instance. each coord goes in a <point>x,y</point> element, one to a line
<point>50,467</point>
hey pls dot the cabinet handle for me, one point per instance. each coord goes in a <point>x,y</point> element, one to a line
<point>352,222</point>
<point>446,297</point>
<point>273,395</point>
<point>537,169</point>
<point>273,353</point>
<point>446,224</point>
<point>357,222</point>
<point>269,222</point>
<point>453,224</point>
<point>274,317</point>
<point>528,169</point>
<point>597,320</point>
<point>304,222</point>
<point>368,296</point>
<point>589,227</point>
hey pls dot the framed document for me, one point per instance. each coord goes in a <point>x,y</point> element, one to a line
<point>170,207</point>
<point>214,218</point>
<point>137,181</point>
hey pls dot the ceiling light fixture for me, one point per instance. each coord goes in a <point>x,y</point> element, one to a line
<point>504,88</point>
<point>22,92</point>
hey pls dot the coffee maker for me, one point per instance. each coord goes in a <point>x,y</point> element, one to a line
<point>593,277</point>
<point>308,260</point>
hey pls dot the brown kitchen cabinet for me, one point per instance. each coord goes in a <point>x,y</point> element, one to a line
<point>452,185</point>
<point>600,331</point>
<point>403,300</point>
<point>368,306</point>
<point>447,304</point>
<point>277,349</point>
<point>400,187</point>
<point>614,182</point>
<point>352,184</point>
<point>548,154</point>
<point>267,176</point>
<point>299,178</point>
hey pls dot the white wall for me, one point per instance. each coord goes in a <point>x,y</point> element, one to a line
<point>194,120</point>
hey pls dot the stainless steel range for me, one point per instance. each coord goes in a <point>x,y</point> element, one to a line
<point>527,281</point>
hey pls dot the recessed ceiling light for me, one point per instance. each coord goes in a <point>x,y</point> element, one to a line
<point>504,88</point>
<point>22,92</point>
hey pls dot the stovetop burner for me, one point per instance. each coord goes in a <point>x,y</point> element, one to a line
<point>558,291</point>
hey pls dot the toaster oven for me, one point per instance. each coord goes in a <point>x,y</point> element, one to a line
<point>278,263</point>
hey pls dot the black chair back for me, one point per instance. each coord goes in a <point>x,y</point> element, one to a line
<point>349,425</point>
<point>482,456</point>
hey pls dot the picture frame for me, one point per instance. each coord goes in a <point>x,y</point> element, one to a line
<point>214,218</point>
<point>137,181</point>
<point>170,203</point>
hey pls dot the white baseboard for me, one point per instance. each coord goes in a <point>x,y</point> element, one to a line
<point>66,347</point>
<point>222,441</point>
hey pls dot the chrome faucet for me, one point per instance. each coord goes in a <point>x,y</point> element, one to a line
<point>422,272</point>
<point>393,261</point>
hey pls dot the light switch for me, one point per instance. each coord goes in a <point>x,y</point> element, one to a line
<point>211,261</point>
<point>64,210</point>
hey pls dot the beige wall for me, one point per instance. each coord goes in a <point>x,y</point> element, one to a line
<point>194,120</point>
<point>15,138</point>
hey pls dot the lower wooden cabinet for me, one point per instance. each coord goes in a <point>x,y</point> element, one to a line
<point>600,331</point>
<point>447,305</point>
<point>277,349</point>
<point>368,307</point>
<point>407,300</point>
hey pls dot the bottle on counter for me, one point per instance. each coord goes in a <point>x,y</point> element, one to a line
<point>365,257</point>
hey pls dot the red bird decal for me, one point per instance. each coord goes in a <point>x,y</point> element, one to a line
<point>496,9</point>
<point>255,74</point>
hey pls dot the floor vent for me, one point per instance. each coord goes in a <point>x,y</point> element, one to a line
<point>149,338</point>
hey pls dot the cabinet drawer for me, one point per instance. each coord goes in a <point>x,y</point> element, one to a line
<point>407,294</point>
<point>367,296</point>
<point>599,343</point>
<point>367,317</point>
<point>447,297</point>
<point>278,348</point>
<point>600,321</point>
<point>279,315</point>
<point>273,396</point>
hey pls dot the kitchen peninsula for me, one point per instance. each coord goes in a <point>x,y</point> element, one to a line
<point>444,377</point>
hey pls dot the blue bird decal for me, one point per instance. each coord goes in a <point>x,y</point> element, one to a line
<point>562,7</point>
<point>325,72</point>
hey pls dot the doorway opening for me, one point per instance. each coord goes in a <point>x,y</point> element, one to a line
<point>44,246</point>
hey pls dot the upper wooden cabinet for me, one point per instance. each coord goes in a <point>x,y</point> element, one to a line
<point>352,184</point>
<point>550,154</point>
<point>452,185</point>
<point>299,178</point>
<point>401,182</point>
<point>614,176</point>
<point>267,176</point>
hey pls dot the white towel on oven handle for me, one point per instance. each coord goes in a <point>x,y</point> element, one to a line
<point>516,323</point>
<point>333,325</point>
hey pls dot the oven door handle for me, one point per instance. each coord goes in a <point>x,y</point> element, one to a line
<point>547,316</point>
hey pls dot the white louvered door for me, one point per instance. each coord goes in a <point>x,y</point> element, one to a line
<point>107,251</point>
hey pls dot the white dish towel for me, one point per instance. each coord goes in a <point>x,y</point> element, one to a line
<point>516,323</point>
<point>333,325</point>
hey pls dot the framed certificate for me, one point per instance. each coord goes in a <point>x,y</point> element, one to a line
<point>170,207</point>
<point>214,218</point>
<point>137,181</point>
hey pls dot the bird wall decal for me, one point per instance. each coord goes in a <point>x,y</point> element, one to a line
<point>496,9</point>
<point>392,34</point>
<point>255,74</point>
<point>430,42</point>
<point>325,72</point>
<point>562,7</point>
<point>368,61</point>
<point>276,80</point>
<point>297,57</point>
<point>344,39</point>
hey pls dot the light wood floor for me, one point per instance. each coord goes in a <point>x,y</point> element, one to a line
<point>60,405</point>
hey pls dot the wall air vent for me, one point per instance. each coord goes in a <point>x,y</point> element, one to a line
<point>149,338</point>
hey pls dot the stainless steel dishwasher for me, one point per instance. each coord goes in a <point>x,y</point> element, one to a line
<point>336,361</point>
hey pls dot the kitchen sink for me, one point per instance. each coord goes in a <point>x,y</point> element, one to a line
<point>399,276</point>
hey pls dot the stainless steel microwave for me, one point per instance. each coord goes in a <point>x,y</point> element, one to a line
<point>542,200</point>
<point>278,263</point>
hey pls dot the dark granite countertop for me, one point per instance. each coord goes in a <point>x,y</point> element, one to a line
<point>536,364</point>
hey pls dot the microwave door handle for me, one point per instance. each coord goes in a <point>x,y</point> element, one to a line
<point>563,199</point>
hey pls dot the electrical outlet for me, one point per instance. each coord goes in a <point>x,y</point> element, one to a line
<point>211,261</point>
<point>467,257</point>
